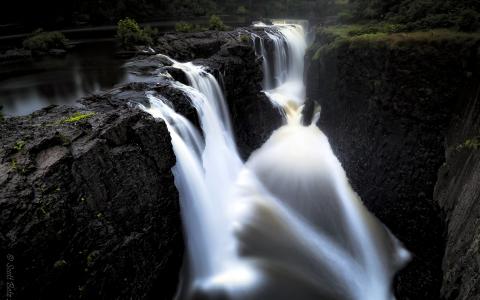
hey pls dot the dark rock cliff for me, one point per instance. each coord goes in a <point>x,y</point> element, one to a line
<point>458,193</point>
<point>88,205</point>
<point>387,103</point>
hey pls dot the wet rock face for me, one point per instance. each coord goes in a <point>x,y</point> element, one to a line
<point>88,208</point>
<point>386,111</point>
<point>253,116</point>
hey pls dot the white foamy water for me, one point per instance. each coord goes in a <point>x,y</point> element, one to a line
<point>285,224</point>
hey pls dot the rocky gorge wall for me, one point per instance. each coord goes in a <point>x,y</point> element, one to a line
<point>88,205</point>
<point>458,193</point>
<point>392,105</point>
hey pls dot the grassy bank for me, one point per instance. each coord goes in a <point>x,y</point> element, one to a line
<point>386,35</point>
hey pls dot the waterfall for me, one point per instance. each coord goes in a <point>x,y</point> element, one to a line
<point>285,224</point>
<point>206,167</point>
<point>283,66</point>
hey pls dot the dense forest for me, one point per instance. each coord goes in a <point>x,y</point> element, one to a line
<point>463,14</point>
<point>418,14</point>
<point>96,12</point>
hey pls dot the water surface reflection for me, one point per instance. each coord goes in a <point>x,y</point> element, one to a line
<point>86,69</point>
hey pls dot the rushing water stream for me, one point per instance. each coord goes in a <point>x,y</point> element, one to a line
<point>285,224</point>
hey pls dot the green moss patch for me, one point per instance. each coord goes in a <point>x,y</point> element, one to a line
<point>470,144</point>
<point>77,117</point>
<point>19,145</point>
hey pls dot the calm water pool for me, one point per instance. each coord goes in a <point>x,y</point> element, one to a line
<point>86,69</point>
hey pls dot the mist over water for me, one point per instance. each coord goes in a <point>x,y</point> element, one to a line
<point>285,224</point>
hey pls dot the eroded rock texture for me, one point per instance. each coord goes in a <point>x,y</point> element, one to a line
<point>88,208</point>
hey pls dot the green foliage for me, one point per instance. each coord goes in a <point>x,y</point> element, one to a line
<point>15,166</point>
<point>77,117</point>
<point>470,144</point>
<point>44,41</point>
<point>187,27</point>
<point>131,34</point>
<point>383,35</point>
<point>151,32</point>
<point>356,30</point>
<point>19,145</point>
<point>462,15</point>
<point>245,38</point>
<point>216,23</point>
<point>101,12</point>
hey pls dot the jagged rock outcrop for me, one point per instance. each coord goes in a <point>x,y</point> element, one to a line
<point>88,205</point>
<point>387,101</point>
<point>253,116</point>
<point>190,46</point>
<point>232,59</point>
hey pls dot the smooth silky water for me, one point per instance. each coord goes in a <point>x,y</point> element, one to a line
<point>286,224</point>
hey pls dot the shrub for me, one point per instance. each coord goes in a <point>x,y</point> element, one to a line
<point>44,41</point>
<point>151,32</point>
<point>185,27</point>
<point>130,34</point>
<point>245,38</point>
<point>215,23</point>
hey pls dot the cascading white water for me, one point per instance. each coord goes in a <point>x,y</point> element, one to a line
<point>206,167</point>
<point>284,225</point>
<point>285,84</point>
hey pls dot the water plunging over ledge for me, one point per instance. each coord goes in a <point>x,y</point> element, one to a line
<point>285,224</point>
